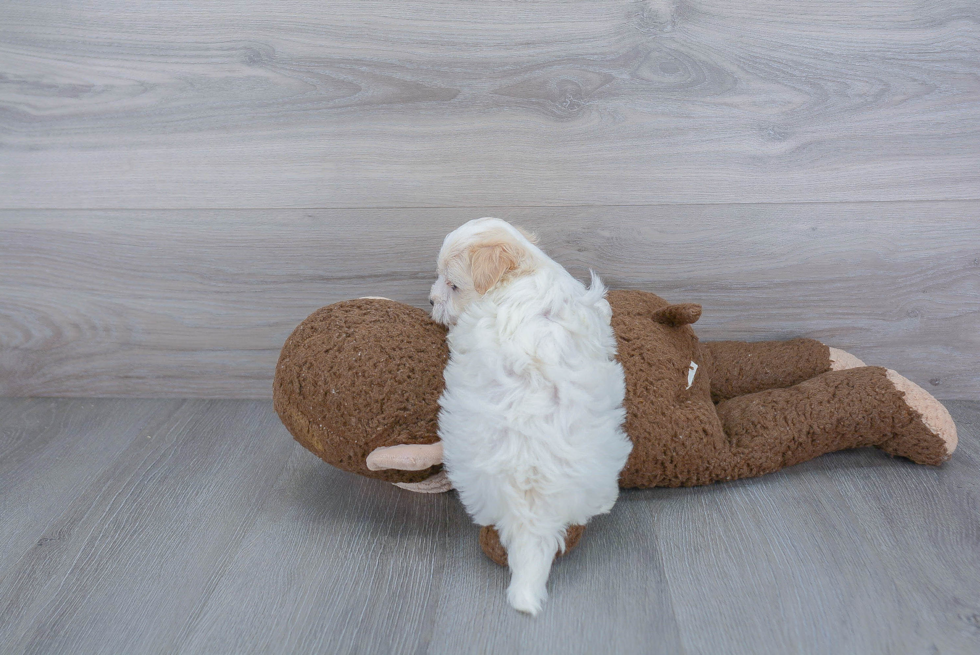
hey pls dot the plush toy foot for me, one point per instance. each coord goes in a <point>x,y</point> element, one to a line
<point>492,548</point>
<point>934,416</point>
<point>841,360</point>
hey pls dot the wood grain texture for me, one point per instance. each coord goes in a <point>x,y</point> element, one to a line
<point>161,520</point>
<point>343,565</point>
<point>219,534</point>
<point>71,443</point>
<point>354,103</point>
<point>198,303</point>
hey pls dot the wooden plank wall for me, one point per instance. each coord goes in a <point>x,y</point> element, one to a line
<point>181,183</point>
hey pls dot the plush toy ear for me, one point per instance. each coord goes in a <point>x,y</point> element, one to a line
<point>491,260</point>
<point>406,457</point>
<point>678,315</point>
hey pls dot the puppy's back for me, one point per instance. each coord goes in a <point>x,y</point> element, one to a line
<point>531,418</point>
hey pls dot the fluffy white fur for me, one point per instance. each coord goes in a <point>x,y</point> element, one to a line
<point>531,417</point>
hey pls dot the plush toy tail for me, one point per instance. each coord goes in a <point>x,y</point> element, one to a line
<point>678,315</point>
<point>529,557</point>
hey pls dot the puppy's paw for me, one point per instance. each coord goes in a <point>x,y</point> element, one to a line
<point>526,598</point>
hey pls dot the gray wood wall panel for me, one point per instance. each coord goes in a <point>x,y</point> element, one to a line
<point>137,104</point>
<point>198,303</point>
<point>219,534</point>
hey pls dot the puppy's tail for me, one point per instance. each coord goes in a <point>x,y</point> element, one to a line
<point>529,557</point>
<point>597,289</point>
<point>595,297</point>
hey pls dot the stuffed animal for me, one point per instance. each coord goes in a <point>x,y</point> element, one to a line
<point>358,384</point>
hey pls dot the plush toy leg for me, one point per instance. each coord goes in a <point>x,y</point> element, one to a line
<point>492,548</point>
<point>867,406</point>
<point>738,368</point>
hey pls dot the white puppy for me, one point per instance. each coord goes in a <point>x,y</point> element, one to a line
<point>531,416</point>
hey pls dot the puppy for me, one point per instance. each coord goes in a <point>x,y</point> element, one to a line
<point>531,416</point>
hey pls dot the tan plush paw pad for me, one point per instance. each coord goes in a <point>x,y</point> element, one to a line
<point>841,360</point>
<point>405,457</point>
<point>934,415</point>
<point>437,484</point>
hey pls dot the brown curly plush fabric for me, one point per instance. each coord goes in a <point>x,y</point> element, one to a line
<point>358,375</point>
<point>739,368</point>
<point>367,373</point>
<point>769,430</point>
<point>779,403</point>
<point>673,427</point>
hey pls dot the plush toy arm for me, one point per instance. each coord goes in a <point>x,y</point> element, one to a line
<point>406,457</point>
<point>437,484</point>
<point>412,457</point>
<point>738,368</point>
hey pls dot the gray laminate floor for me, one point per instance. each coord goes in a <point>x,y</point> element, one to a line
<point>160,526</point>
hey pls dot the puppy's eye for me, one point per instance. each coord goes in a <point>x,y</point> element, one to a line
<point>452,286</point>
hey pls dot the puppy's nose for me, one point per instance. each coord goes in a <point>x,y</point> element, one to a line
<point>432,302</point>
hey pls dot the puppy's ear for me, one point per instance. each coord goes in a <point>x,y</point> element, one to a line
<point>491,260</point>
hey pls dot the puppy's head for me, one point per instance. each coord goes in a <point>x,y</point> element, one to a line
<point>475,258</point>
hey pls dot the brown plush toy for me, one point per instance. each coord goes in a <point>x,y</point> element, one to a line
<point>358,384</point>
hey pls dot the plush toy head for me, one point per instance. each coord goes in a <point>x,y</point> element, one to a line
<point>359,375</point>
